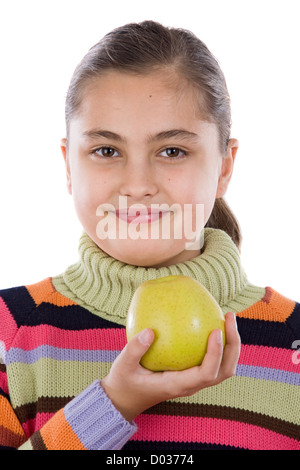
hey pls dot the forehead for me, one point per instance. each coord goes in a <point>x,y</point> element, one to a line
<point>161,89</point>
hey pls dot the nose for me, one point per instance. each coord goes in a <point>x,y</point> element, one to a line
<point>139,181</point>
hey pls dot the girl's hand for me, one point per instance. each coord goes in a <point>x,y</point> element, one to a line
<point>133,389</point>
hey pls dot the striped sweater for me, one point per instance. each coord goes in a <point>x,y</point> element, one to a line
<point>59,337</point>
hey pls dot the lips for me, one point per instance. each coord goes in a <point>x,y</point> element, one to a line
<point>143,216</point>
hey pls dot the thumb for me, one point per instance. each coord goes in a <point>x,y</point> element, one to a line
<point>137,346</point>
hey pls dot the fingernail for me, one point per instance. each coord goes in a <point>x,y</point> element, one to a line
<point>233,318</point>
<point>219,336</point>
<point>145,337</point>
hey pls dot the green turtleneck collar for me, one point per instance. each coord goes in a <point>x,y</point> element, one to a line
<point>105,286</point>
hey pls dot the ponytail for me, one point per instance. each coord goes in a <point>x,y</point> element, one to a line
<point>223,218</point>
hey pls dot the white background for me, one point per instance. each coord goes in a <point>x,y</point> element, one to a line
<point>257,43</point>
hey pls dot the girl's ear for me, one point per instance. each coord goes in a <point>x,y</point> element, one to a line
<point>64,150</point>
<point>227,167</point>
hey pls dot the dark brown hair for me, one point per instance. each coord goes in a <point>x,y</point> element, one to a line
<point>143,47</point>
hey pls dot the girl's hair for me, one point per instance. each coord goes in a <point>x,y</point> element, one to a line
<point>143,47</point>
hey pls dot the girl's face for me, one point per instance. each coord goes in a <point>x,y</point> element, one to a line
<point>137,142</point>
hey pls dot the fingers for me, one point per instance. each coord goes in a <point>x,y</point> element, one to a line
<point>136,348</point>
<point>213,358</point>
<point>232,349</point>
<point>229,357</point>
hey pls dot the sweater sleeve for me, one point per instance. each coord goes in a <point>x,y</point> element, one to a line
<point>88,422</point>
<point>12,434</point>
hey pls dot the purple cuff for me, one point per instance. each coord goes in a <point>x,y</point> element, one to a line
<point>96,422</point>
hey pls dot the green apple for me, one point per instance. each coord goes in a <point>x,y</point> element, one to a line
<point>182,313</point>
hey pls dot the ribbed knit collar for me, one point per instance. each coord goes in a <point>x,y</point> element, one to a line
<point>103,284</point>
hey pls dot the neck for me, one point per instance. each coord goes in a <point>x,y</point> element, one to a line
<point>105,285</point>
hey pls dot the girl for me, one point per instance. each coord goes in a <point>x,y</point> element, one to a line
<point>148,124</point>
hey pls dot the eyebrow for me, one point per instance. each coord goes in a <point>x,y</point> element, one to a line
<point>168,134</point>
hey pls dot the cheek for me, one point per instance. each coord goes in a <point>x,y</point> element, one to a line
<point>200,190</point>
<point>89,191</point>
<point>194,187</point>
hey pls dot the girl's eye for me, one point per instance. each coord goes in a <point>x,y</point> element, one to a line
<point>106,152</point>
<point>173,153</point>
<point>110,152</point>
